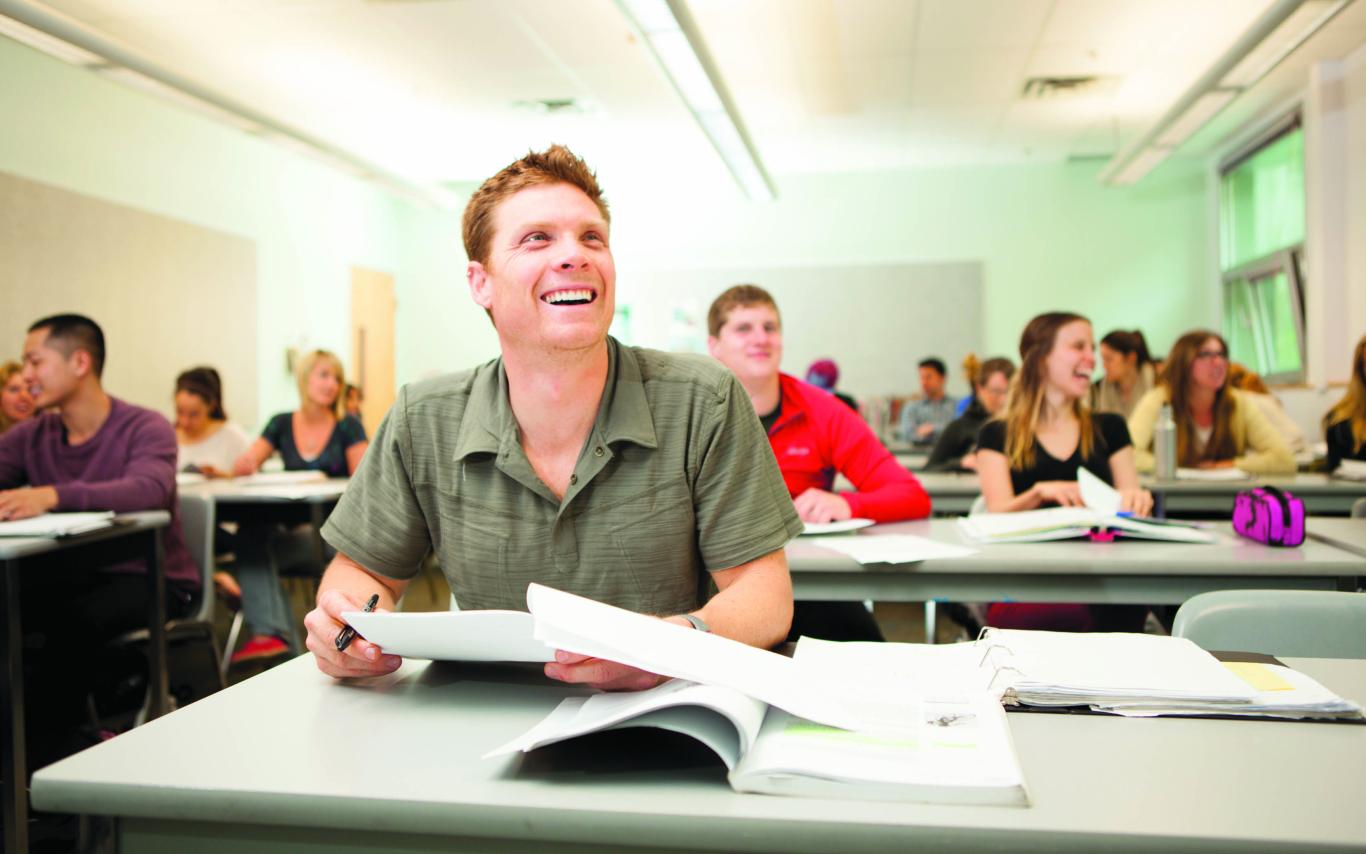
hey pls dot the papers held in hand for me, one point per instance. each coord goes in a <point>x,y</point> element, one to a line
<point>53,525</point>
<point>1101,515</point>
<point>453,635</point>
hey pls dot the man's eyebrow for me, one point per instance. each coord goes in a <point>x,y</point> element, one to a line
<point>546,225</point>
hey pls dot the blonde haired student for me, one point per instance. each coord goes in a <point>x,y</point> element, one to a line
<point>1216,425</point>
<point>316,436</point>
<point>16,404</point>
<point>1344,426</point>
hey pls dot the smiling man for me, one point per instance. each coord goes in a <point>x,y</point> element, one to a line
<point>814,437</point>
<point>626,475</point>
<point>85,451</point>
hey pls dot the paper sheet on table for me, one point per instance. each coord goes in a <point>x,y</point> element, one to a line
<point>1351,470</point>
<point>1219,475</point>
<point>295,492</point>
<point>281,478</point>
<point>453,635</point>
<point>56,524</point>
<point>892,548</point>
<point>1097,494</point>
<point>575,624</point>
<point>843,526</point>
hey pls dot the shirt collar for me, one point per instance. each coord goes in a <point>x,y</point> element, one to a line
<point>624,414</point>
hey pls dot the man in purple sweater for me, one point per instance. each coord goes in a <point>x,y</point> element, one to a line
<point>86,451</point>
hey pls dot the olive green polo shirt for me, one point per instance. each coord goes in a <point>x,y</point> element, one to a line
<point>675,478</point>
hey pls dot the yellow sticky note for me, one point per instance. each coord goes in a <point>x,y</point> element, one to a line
<point>1260,676</point>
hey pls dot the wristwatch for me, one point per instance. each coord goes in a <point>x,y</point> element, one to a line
<point>697,622</point>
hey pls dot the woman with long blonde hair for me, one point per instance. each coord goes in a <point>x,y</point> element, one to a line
<point>317,436</point>
<point>1216,427</point>
<point>1344,426</point>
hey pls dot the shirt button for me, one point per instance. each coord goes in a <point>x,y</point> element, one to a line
<point>573,479</point>
<point>597,452</point>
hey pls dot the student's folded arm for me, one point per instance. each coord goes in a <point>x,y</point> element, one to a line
<point>251,459</point>
<point>1265,451</point>
<point>753,604</point>
<point>993,473</point>
<point>1142,424</point>
<point>885,490</point>
<point>148,482</point>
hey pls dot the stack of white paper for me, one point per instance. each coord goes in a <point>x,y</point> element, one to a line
<point>452,635</point>
<point>891,548</point>
<point>843,526</point>
<point>56,525</point>
<point>1211,474</point>
<point>1351,470</point>
<point>1280,692</point>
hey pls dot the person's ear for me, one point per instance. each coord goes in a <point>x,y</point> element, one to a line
<point>481,286</point>
<point>81,363</point>
<point>713,344</point>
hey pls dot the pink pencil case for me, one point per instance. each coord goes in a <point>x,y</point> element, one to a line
<point>1269,515</point>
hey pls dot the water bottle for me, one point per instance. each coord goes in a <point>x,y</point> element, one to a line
<point>1164,443</point>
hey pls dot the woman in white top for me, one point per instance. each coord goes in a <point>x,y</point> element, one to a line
<point>209,442</point>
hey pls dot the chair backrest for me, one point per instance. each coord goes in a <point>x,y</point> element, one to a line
<point>1311,623</point>
<point>1359,508</point>
<point>197,525</point>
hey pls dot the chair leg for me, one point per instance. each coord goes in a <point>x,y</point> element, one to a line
<point>233,634</point>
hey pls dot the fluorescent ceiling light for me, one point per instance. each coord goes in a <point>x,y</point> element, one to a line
<point>677,46</point>
<point>1141,165</point>
<point>1275,35</point>
<point>1204,109</point>
<point>39,40</point>
<point>1293,32</point>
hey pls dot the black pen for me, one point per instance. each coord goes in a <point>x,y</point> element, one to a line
<point>348,634</point>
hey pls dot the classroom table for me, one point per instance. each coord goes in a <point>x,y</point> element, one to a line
<point>1322,494</point>
<point>132,536</point>
<point>1126,571</point>
<point>1346,534</point>
<point>307,503</point>
<point>292,759</point>
<point>952,493</point>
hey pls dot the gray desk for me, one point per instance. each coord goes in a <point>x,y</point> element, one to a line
<point>1322,495</point>
<point>951,493</point>
<point>1121,572</point>
<point>1346,534</point>
<point>137,535</point>
<point>290,759</point>
<point>285,504</point>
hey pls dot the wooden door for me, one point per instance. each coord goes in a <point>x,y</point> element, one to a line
<point>372,343</point>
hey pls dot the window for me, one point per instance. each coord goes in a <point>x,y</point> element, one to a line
<point>1261,249</point>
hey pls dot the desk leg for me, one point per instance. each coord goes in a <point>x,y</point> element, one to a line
<point>156,624</point>
<point>14,765</point>
<point>317,518</point>
<point>931,621</point>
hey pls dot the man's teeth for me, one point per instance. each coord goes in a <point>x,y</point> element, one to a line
<point>576,295</point>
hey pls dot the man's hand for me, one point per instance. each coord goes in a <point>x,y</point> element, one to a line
<point>1065,493</point>
<point>1136,501</point>
<point>26,502</point>
<point>969,461</point>
<point>360,658</point>
<point>817,505</point>
<point>599,673</point>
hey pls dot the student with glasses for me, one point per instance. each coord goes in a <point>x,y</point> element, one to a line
<point>1216,425</point>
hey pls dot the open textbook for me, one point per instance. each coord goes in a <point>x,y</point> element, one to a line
<point>56,524</point>
<point>1123,673</point>
<point>953,751</point>
<point>1100,517</point>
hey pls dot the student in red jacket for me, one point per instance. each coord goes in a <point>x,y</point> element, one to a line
<point>814,437</point>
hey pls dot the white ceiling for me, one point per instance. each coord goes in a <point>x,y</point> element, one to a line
<point>429,89</point>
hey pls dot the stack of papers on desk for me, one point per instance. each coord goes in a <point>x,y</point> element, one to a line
<point>842,526</point>
<point>1101,513</point>
<point>1351,470</point>
<point>1121,673</point>
<point>891,548</point>
<point>1223,474</point>
<point>281,478</point>
<point>56,525</point>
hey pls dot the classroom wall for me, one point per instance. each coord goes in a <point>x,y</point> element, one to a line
<point>1048,236</point>
<point>310,223</point>
<point>1354,106</point>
